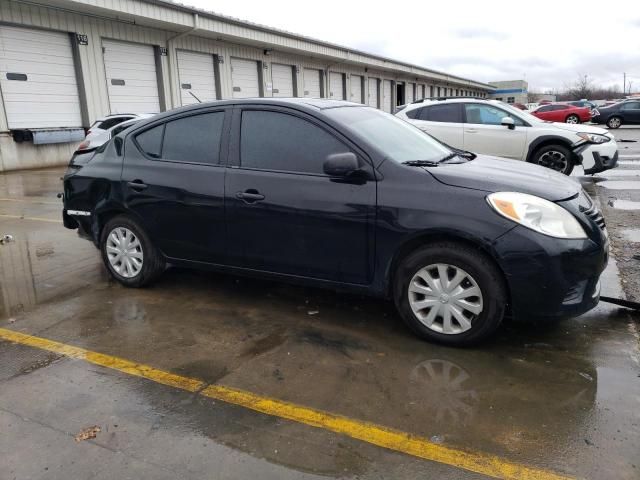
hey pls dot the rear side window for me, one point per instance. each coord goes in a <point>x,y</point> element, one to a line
<point>546,108</point>
<point>150,141</point>
<point>278,141</point>
<point>415,113</point>
<point>450,112</point>
<point>112,122</point>
<point>194,139</point>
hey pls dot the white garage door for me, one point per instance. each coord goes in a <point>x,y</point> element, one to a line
<point>386,95</point>
<point>372,98</point>
<point>132,82</point>
<point>282,78</point>
<point>244,78</point>
<point>336,86</point>
<point>38,79</point>
<point>197,77</point>
<point>312,83</point>
<point>356,88</point>
<point>410,97</point>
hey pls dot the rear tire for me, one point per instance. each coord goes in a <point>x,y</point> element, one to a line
<point>474,288</point>
<point>128,253</point>
<point>555,157</point>
<point>614,122</point>
<point>573,119</point>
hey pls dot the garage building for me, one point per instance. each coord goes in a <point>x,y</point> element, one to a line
<point>65,63</point>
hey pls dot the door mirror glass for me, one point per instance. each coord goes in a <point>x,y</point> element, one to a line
<point>508,122</point>
<point>340,164</point>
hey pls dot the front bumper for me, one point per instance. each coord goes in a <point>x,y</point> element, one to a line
<point>597,157</point>
<point>551,278</point>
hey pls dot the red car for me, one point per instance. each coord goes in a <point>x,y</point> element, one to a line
<point>561,112</point>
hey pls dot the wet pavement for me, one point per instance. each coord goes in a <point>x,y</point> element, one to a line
<point>563,397</point>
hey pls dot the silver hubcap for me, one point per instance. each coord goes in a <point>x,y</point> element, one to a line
<point>124,252</point>
<point>445,298</point>
<point>554,159</point>
<point>614,122</point>
<point>572,119</point>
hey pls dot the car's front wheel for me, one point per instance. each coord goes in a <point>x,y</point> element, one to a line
<point>450,293</point>
<point>614,122</point>
<point>555,157</point>
<point>128,253</point>
<point>574,119</point>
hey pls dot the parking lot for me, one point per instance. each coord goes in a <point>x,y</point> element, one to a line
<point>206,374</point>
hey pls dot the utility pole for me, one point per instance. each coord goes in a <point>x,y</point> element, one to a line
<point>624,83</point>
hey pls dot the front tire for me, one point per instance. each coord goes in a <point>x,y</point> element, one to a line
<point>555,157</point>
<point>572,119</point>
<point>450,293</point>
<point>614,122</point>
<point>128,253</point>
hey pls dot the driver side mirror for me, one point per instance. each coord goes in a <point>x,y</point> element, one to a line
<point>340,164</point>
<point>508,122</point>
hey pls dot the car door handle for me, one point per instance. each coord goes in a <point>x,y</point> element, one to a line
<point>470,130</point>
<point>250,196</point>
<point>137,185</point>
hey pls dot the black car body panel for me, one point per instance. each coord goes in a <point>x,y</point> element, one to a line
<point>339,233</point>
<point>628,111</point>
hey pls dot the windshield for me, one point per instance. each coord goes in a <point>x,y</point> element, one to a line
<point>395,138</point>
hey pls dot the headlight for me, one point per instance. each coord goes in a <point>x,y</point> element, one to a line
<point>537,214</point>
<point>594,137</point>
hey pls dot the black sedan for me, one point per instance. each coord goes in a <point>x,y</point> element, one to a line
<point>340,195</point>
<point>622,113</point>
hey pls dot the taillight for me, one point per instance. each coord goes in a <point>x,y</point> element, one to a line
<point>83,145</point>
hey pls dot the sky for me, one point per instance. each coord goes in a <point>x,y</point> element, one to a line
<point>548,43</point>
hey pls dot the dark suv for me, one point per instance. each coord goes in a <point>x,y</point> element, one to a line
<point>343,196</point>
<point>622,113</point>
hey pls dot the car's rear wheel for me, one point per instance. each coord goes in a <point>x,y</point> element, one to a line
<point>614,122</point>
<point>128,253</point>
<point>574,119</point>
<point>555,157</point>
<point>450,293</point>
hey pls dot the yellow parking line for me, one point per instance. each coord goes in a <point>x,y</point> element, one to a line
<point>35,219</point>
<point>381,436</point>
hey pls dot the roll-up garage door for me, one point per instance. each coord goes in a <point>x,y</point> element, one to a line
<point>336,86</point>
<point>386,96</point>
<point>245,78</point>
<point>132,81</point>
<point>197,77</point>
<point>372,97</point>
<point>356,88</point>
<point>282,79</point>
<point>409,95</point>
<point>38,79</point>
<point>312,79</point>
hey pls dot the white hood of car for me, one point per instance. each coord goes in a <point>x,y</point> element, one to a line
<point>580,128</point>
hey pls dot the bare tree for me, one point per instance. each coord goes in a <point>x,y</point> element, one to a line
<point>582,88</point>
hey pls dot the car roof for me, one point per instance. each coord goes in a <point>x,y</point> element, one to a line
<point>436,100</point>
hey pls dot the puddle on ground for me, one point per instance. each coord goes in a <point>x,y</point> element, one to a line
<point>631,234</point>
<point>621,185</point>
<point>624,204</point>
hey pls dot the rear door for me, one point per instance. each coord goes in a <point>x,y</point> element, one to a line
<point>284,214</point>
<point>173,180</point>
<point>484,132</point>
<point>443,121</point>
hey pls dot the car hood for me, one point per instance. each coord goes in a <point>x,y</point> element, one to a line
<point>493,174</point>
<point>580,128</point>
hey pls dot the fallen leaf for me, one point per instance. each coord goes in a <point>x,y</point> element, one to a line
<point>87,433</point>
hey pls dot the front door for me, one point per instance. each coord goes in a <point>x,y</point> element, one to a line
<point>631,112</point>
<point>283,213</point>
<point>484,132</point>
<point>173,181</point>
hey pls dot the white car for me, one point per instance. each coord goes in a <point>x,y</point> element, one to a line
<point>495,128</point>
<point>102,129</point>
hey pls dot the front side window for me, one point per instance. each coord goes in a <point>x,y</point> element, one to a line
<point>487,115</point>
<point>283,142</point>
<point>448,112</point>
<point>546,108</point>
<point>396,139</point>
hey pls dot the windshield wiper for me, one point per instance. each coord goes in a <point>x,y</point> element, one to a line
<point>420,163</point>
